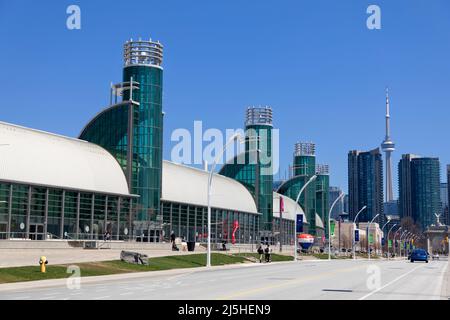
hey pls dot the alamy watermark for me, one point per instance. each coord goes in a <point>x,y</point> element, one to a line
<point>200,146</point>
<point>73,21</point>
<point>374,20</point>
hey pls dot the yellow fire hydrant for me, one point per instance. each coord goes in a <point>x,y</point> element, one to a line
<point>43,262</point>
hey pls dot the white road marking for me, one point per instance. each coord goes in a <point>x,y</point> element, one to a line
<point>101,298</point>
<point>389,283</point>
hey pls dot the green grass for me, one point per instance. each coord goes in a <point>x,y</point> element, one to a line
<point>275,257</point>
<point>31,273</point>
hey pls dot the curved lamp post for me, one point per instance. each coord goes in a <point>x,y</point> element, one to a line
<point>329,223</point>
<point>401,236</point>
<point>295,218</point>
<point>395,235</point>
<point>368,231</point>
<point>354,223</point>
<point>234,137</point>
<point>388,237</point>
<point>382,229</point>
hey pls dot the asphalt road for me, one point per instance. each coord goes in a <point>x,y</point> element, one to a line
<point>342,279</point>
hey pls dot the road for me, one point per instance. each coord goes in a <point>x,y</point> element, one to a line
<point>317,280</point>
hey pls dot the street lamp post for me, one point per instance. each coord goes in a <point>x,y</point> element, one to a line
<point>401,236</point>
<point>388,238</point>
<point>329,223</point>
<point>382,229</point>
<point>234,137</point>
<point>395,235</point>
<point>368,232</point>
<point>295,218</point>
<point>354,223</point>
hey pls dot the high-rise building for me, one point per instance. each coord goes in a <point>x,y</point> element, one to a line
<point>448,195</point>
<point>132,130</point>
<point>322,193</point>
<point>419,189</point>
<point>254,169</point>
<point>444,203</point>
<point>388,146</point>
<point>338,209</point>
<point>365,185</point>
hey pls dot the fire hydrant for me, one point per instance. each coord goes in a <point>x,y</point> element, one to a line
<point>43,262</point>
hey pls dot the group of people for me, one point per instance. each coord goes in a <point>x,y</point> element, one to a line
<point>266,252</point>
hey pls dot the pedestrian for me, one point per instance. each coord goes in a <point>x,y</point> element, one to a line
<point>267,253</point>
<point>260,252</point>
<point>172,240</point>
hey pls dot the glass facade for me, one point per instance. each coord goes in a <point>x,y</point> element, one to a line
<point>40,212</point>
<point>425,190</point>
<point>322,195</point>
<point>189,222</point>
<point>365,185</point>
<point>254,170</point>
<point>147,137</point>
<point>419,189</point>
<point>132,132</point>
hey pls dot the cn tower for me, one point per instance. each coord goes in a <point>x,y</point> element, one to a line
<point>388,146</point>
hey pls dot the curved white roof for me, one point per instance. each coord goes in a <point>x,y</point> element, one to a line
<point>319,222</point>
<point>290,207</point>
<point>38,157</point>
<point>185,184</point>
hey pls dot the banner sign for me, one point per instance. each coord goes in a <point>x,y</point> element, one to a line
<point>333,224</point>
<point>370,238</point>
<point>356,235</point>
<point>299,223</point>
<point>390,244</point>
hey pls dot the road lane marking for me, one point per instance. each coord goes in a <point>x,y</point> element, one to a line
<point>288,283</point>
<point>389,283</point>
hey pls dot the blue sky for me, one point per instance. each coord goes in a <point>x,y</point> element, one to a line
<point>315,62</point>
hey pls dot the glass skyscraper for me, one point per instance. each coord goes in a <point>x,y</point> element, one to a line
<point>419,189</point>
<point>365,185</point>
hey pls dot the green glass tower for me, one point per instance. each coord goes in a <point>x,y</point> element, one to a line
<point>254,168</point>
<point>303,169</point>
<point>132,130</point>
<point>419,189</point>
<point>322,193</point>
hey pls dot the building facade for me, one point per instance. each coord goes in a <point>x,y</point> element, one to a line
<point>419,189</point>
<point>61,188</point>
<point>365,185</point>
<point>254,168</point>
<point>304,167</point>
<point>131,130</point>
<point>338,209</point>
<point>322,193</point>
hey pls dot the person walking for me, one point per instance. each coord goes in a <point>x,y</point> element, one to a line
<point>267,253</point>
<point>260,252</point>
<point>172,240</point>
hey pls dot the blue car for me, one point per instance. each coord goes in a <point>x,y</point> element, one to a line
<point>419,255</point>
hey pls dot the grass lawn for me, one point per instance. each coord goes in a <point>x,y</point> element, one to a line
<point>275,257</point>
<point>18,274</point>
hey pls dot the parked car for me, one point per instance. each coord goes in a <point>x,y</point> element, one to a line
<point>435,256</point>
<point>419,255</point>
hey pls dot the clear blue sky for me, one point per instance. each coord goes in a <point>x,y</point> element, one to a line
<point>314,62</point>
